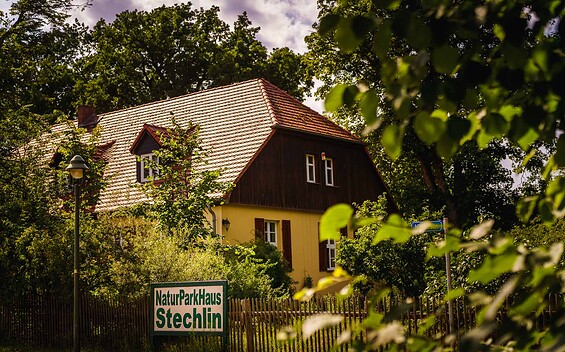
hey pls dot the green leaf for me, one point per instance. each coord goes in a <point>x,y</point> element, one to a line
<point>532,303</point>
<point>523,134</point>
<point>392,141</point>
<point>458,128</point>
<point>516,57</point>
<point>445,59</point>
<point>499,32</point>
<point>495,125</point>
<point>428,129</point>
<point>418,34</point>
<point>525,208</point>
<point>481,230</point>
<point>446,147</point>
<point>493,267</point>
<point>387,4</point>
<point>544,209</point>
<point>340,95</point>
<point>334,99</point>
<point>483,139</point>
<point>334,219</point>
<point>395,228</point>
<point>453,294</point>
<point>440,114</point>
<point>315,323</point>
<point>328,23</point>
<point>559,156</point>
<point>381,40</point>
<point>509,112</point>
<point>450,244</point>
<point>351,32</point>
<point>368,106</point>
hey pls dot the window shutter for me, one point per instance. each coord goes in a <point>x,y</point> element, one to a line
<point>287,241</point>
<point>323,252</point>
<point>138,170</point>
<point>260,228</point>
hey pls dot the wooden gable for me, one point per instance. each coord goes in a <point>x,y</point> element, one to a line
<point>277,175</point>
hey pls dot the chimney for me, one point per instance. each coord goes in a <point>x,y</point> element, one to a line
<point>86,116</point>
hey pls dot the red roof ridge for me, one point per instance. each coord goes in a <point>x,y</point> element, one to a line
<point>262,82</point>
<point>302,112</point>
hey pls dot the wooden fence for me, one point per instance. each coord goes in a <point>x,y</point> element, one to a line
<point>253,323</point>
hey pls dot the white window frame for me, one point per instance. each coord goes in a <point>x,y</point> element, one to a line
<point>329,171</point>
<point>310,168</point>
<point>331,254</point>
<point>271,232</point>
<point>152,174</point>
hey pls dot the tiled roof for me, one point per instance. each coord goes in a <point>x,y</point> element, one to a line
<point>235,121</point>
<point>290,113</point>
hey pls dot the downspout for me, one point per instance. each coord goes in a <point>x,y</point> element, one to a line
<point>213,219</point>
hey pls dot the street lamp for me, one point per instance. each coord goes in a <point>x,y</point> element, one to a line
<point>76,168</point>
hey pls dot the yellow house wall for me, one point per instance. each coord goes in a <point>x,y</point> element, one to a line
<point>303,228</point>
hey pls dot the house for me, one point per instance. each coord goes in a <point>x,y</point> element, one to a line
<point>288,164</point>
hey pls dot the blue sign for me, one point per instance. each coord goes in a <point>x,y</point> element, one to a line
<point>436,226</point>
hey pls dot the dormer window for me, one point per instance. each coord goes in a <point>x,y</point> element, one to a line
<point>147,142</point>
<point>148,171</point>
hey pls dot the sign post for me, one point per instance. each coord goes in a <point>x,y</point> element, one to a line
<point>441,226</point>
<point>189,308</point>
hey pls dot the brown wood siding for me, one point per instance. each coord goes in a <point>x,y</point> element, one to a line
<point>277,176</point>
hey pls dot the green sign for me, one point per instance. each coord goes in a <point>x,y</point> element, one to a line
<point>184,308</point>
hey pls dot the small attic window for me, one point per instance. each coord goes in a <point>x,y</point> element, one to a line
<point>147,170</point>
<point>144,147</point>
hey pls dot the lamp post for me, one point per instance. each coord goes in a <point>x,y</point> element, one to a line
<point>76,168</point>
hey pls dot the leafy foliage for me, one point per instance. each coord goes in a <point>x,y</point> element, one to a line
<point>185,189</point>
<point>277,268</point>
<point>142,255</point>
<point>401,266</point>
<point>500,72</point>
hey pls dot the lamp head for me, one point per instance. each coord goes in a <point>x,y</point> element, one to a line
<point>226,224</point>
<point>76,167</point>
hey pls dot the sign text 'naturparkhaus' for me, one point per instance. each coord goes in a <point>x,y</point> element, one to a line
<point>189,307</point>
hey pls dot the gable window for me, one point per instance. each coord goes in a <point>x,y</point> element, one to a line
<point>310,168</point>
<point>149,173</point>
<point>271,232</point>
<point>329,171</point>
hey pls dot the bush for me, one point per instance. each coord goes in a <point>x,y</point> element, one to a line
<point>277,267</point>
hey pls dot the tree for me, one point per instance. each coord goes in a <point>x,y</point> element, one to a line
<point>454,73</point>
<point>169,51</point>
<point>451,69</point>
<point>184,189</point>
<point>401,266</point>
<point>36,246</point>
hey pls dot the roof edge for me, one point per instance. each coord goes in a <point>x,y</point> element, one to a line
<point>354,141</point>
